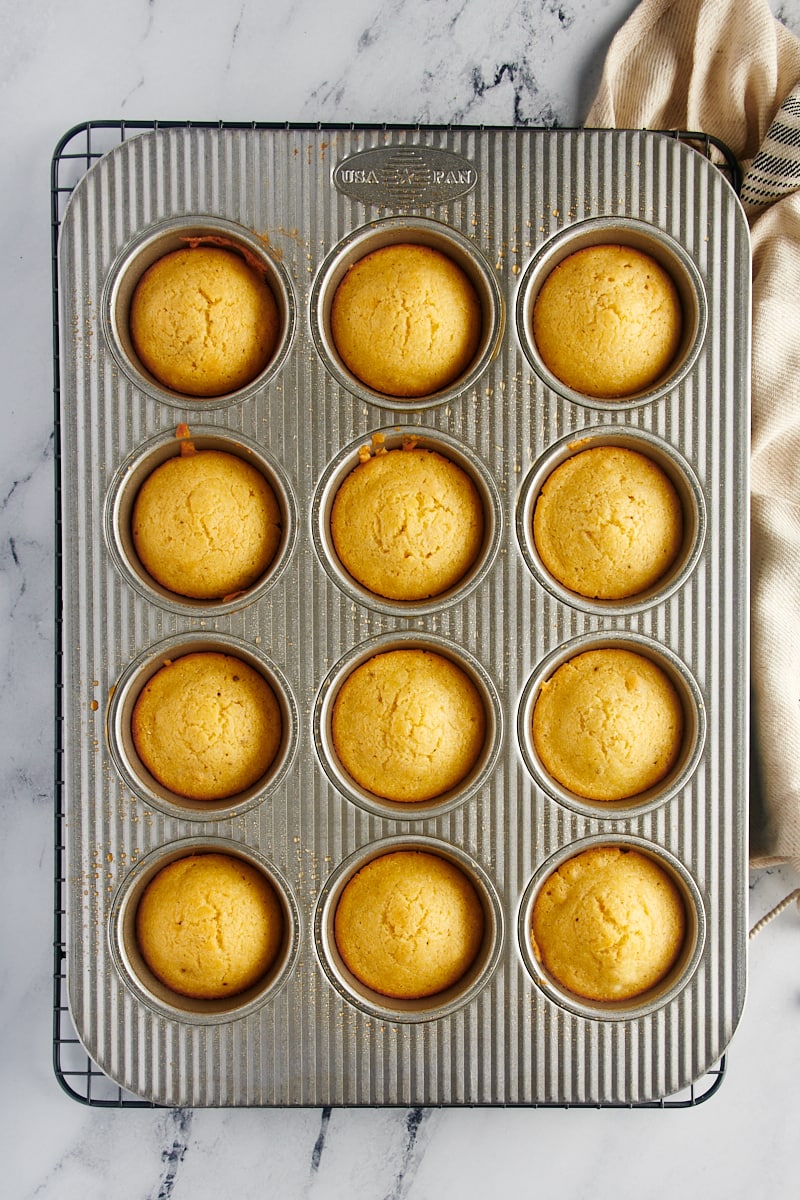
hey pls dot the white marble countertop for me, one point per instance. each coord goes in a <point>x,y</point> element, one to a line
<point>398,61</point>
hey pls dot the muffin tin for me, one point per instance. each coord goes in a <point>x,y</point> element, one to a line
<point>507,204</point>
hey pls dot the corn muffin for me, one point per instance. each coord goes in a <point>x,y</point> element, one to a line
<point>608,724</point>
<point>207,726</point>
<point>206,524</point>
<point>409,924</point>
<point>209,925</point>
<point>608,523</point>
<point>609,924</point>
<point>608,321</point>
<point>406,320</point>
<point>203,321</point>
<point>407,524</point>
<point>408,725</point>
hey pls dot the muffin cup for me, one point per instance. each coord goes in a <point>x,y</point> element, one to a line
<point>694,730</point>
<point>429,1008</point>
<point>390,232</point>
<point>677,471</point>
<point>121,498</point>
<point>398,809</point>
<point>679,975</point>
<point>624,232</point>
<point>178,234</point>
<point>393,438</point>
<point>135,773</point>
<point>135,972</point>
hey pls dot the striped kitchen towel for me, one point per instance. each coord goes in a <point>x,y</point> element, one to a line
<point>775,170</point>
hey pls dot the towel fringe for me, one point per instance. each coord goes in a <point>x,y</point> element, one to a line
<point>776,912</point>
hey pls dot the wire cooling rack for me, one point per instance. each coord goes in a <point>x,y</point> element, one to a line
<point>78,1075</point>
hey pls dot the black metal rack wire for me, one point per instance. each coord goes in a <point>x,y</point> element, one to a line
<point>75,154</point>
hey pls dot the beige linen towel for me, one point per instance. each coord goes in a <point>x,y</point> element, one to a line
<point>729,69</point>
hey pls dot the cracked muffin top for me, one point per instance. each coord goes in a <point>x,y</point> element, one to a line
<point>607,321</point>
<point>407,523</point>
<point>609,923</point>
<point>406,320</point>
<point>206,525</point>
<point>207,725</point>
<point>608,724</point>
<point>608,523</point>
<point>203,321</point>
<point>209,925</point>
<point>409,924</point>
<point>408,725</point>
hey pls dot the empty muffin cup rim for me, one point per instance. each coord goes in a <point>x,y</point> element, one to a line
<point>129,961</point>
<point>694,732</point>
<point>639,235</point>
<point>398,230</point>
<point>428,1008</point>
<point>675,980</point>
<point>139,779</point>
<point>154,242</point>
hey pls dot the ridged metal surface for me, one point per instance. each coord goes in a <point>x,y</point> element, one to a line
<point>308,1045</point>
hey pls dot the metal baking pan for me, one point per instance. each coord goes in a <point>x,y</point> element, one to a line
<point>507,204</point>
